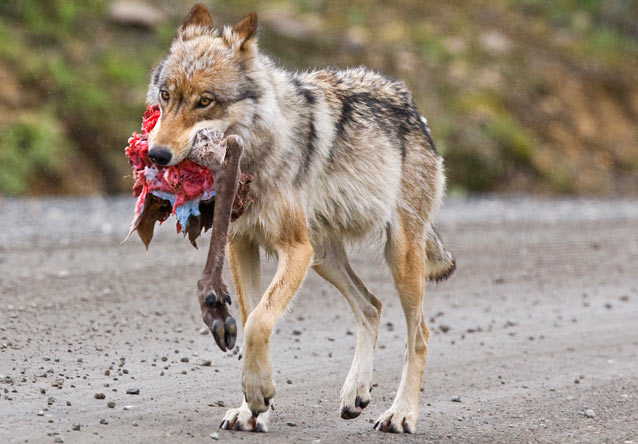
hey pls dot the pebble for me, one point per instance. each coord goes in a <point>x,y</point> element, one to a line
<point>589,413</point>
<point>291,424</point>
<point>128,407</point>
<point>111,404</point>
<point>444,328</point>
<point>133,391</point>
<point>103,421</point>
<point>206,363</point>
<point>99,396</point>
<point>76,427</point>
<point>215,436</point>
<point>456,399</point>
<point>58,439</point>
<point>40,413</point>
<point>184,359</point>
<point>135,423</point>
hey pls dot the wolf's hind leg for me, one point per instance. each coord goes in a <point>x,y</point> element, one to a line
<point>405,253</point>
<point>332,264</point>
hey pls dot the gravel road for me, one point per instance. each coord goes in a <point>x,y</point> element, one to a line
<point>534,338</point>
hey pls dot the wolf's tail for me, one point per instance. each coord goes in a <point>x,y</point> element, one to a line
<point>440,262</point>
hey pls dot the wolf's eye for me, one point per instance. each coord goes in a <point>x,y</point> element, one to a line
<point>165,95</point>
<point>204,102</point>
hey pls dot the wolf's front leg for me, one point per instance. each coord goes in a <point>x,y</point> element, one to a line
<point>294,253</point>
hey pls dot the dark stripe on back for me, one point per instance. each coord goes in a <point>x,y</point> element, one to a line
<point>304,91</point>
<point>396,119</point>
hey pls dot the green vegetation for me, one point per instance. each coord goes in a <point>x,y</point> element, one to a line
<point>522,95</point>
<point>31,146</point>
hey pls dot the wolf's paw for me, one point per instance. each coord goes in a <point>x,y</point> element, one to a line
<point>258,389</point>
<point>397,420</point>
<point>355,396</point>
<point>242,419</point>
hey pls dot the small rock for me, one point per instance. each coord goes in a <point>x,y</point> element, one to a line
<point>135,423</point>
<point>58,439</point>
<point>128,407</point>
<point>40,413</point>
<point>220,403</point>
<point>456,399</point>
<point>133,391</point>
<point>136,14</point>
<point>111,404</point>
<point>589,413</point>
<point>76,427</point>
<point>206,363</point>
<point>99,396</point>
<point>184,359</point>
<point>103,421</point>
<point>444,328</point>
<point>291,424</point>
<point>215,436</point>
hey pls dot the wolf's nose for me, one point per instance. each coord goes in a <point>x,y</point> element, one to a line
<point>160,155</point>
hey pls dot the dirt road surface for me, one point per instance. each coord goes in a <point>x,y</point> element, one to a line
<point>536,333</point>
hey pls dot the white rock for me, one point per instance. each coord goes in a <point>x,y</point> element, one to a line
<point>136,14</point>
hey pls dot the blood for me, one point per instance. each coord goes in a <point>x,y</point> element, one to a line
<point>185,181</point>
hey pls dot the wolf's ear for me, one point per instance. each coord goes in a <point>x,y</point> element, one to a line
<point>246,29</point>
<point>198,16</point>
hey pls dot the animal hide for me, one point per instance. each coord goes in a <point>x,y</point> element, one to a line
<point>186,190</point>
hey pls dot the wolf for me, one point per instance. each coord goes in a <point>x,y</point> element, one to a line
<point>337,157</point>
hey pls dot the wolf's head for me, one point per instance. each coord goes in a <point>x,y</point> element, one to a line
<point>203,82</point>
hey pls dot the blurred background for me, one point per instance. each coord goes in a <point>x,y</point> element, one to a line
<point>523,96</point>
